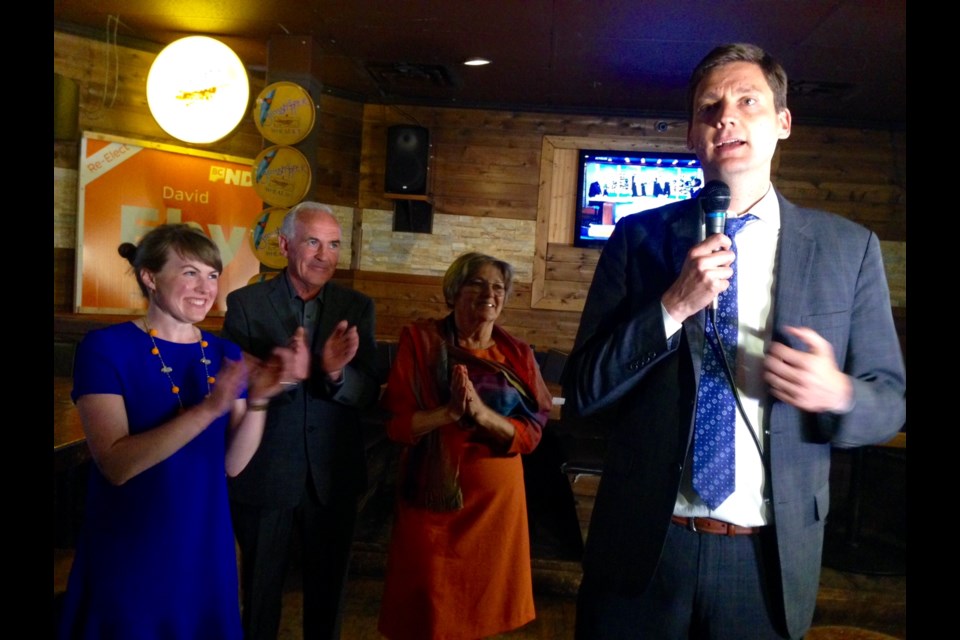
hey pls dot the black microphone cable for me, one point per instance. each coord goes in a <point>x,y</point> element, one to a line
<point>722,354</point>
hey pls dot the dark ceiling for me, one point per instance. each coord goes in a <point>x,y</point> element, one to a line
<point>846,59</point>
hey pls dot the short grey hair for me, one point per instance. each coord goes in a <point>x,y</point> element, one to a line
<point>465,267</point>
<point>288,226</point>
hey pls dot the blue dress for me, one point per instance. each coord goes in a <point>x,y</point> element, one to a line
<point>156,555</point>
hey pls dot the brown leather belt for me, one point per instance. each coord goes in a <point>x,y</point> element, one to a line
<point>711,525</point>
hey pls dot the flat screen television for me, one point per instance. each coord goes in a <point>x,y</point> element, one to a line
<point>615,184</point>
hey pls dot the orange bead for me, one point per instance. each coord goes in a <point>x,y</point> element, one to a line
<point>204,344</point>
<point>211,379</point>
<point>175,389</point>
<point>153,332</point>
<point>155,351</point>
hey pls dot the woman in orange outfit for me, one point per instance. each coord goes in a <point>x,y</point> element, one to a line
<point>466,398</point>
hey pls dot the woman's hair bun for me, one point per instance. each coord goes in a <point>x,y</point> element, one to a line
<point>128,250</point>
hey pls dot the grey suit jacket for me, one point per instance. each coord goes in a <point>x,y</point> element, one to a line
<point>314,428</point>
<point>830,278</point>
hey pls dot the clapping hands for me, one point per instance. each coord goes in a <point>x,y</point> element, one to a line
<point>339,350</point>
<point>285,367</point>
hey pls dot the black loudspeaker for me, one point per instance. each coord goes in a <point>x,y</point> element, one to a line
<point>415,216</point>
<point>408,148</point>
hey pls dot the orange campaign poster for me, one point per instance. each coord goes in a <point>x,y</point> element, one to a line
<point>127,187</point>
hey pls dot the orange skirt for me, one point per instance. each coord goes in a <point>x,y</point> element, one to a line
<point>464,574</point>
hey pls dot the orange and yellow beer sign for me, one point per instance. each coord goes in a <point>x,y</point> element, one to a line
<point>281,176</point>
<point>127,187</point>
<point>265,238</point>
<point>284,113</point>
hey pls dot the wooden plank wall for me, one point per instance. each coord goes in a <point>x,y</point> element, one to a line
<point>490,164</point>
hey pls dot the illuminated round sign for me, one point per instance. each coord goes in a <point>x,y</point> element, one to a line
<point>198,89</point>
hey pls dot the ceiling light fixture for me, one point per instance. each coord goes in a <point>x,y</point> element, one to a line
<point>476,62</point>
<point>198,89</point>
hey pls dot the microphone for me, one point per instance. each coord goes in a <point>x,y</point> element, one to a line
<point>714,201</point>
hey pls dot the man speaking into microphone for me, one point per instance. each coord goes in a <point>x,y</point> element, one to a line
<point>727,365</point>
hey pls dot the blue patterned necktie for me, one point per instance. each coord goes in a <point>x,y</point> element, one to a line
<point>714,458</point>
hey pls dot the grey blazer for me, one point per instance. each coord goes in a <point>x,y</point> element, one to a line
<point>316,426</point>
<point>830,278</point>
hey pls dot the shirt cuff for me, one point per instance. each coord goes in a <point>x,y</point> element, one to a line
<point>670,326</point>
<point>333,387</point>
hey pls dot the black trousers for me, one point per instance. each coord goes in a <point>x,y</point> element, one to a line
<point>264,536</point>
<point>706,587</point>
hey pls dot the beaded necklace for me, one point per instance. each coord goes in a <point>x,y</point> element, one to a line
<point>167,369</point>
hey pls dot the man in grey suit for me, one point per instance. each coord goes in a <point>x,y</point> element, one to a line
<point>817,364</point>
<point>310,468</point>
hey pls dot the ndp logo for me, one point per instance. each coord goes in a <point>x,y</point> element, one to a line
<point>238,177</point>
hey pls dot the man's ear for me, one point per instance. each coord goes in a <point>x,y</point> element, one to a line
<point>786,120</point>
<point>282,241</point>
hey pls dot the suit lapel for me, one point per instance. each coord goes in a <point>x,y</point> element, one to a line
<point>280,303</point>
<point>327,317</point>
<point>794,266</point>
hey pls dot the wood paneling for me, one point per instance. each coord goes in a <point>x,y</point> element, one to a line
<point>339,129</point>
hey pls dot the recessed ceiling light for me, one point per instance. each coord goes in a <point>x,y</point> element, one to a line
<point>476,62</point>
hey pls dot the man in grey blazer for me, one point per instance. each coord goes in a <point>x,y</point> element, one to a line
<point>310,468</point>
<point>818,364</point>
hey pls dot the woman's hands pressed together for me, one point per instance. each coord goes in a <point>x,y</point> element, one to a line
<point>473,411</point>
<point>460,389</point>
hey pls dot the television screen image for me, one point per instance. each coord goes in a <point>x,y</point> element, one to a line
<point>616,184</point>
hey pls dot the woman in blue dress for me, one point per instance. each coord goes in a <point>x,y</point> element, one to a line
<point>168,412</point>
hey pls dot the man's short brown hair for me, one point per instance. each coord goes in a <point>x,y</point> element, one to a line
<point>740,52</point>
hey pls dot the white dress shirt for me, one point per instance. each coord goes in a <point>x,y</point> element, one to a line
<point>756,266</point>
